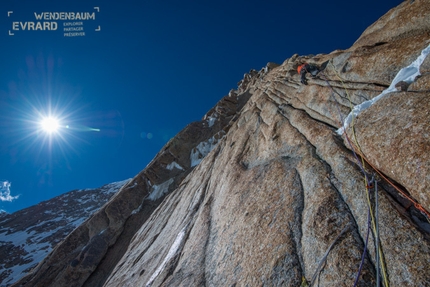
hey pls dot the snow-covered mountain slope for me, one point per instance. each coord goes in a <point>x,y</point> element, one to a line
<point>28,235</point>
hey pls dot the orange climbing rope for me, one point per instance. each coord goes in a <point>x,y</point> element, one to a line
<point>408,197</point>
<point>356,150</point>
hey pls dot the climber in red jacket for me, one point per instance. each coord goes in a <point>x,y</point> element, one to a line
<point>307,68</point>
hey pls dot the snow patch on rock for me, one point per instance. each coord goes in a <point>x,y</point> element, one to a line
<point>172,252</point>
<point>115,186</point>
<point>202,150</point>
<point>160,190</point>
<point>211,121</point>
<point>31,245</point>
<point>173,165</point>
<point>34,249</point>
<point>110,187</point>
<point>407,74</point>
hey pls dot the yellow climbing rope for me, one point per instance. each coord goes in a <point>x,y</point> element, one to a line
<point>374,223</point>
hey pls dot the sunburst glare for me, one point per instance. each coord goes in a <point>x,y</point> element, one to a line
<point>50,124</point>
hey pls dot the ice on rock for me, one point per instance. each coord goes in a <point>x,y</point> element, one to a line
<point>173,165</point>
<point>211,121</point>
<point>202,150</point>
<point>406,74</point>
<point>160,190</point>
<point>172,252</point>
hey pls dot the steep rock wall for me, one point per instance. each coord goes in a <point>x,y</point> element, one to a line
<point>280,190</point>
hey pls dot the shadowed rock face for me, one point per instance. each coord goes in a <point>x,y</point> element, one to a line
<point>258,191</point>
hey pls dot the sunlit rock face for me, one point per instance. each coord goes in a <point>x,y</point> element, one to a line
<point>265,192</point>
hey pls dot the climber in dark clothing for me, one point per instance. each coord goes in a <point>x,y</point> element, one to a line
<point>307,68</point>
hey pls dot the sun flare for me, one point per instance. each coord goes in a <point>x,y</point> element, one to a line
<point>50,125</point>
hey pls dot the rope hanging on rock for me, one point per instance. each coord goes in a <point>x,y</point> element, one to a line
<point>367,183</point>
<point>324,258</point>
<point>356,149</point>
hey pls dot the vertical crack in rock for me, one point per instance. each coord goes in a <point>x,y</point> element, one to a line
<point>369,268</point>
<point>298,236</point>
<point>289,270</point>
<point>206,215</point>
<point>354,195</point>
<point>324,213</point>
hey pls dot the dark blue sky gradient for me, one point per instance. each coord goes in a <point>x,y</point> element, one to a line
<point>154,67</point>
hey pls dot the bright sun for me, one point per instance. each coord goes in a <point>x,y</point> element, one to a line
<point>50,125</point>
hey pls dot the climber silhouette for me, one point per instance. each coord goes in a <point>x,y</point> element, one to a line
<point>311,69</point>
<point>307,68</point>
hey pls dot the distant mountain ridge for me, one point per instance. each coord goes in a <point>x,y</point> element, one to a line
<point>28,235</point>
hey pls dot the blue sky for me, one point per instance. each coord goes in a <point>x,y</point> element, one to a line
<point>153,67</point>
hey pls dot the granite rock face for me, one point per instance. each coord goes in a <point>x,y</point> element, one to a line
<point>395,132</point>
<point>264,192</point>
